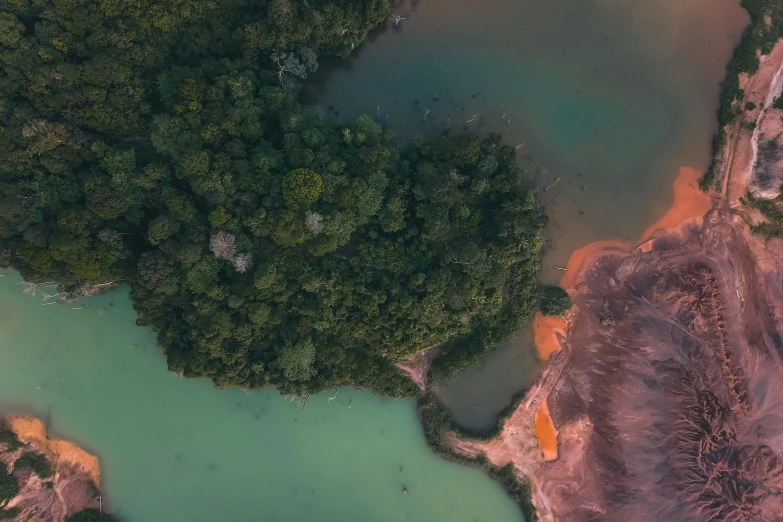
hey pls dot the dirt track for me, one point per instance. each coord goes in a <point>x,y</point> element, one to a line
<point>670,408</point>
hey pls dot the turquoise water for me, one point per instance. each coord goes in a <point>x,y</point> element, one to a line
<point>177,449</point>
<point>608,96</point>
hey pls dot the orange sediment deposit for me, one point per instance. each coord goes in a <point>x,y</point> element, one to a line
<point>581,255</point>
<point>546,328</point>
<point>28,429</point>
<point>689,206</point>
<point>546,432</point>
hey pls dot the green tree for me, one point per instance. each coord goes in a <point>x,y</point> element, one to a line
<point>263,244</point>
<point>554,300</point>
<point>302,186</point>
<point>297,360</point>
<point>162,227</point>
<point>36,462</point>
<point>90,515</point>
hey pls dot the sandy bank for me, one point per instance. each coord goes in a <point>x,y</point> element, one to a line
<point>29,429</point>
<point>67,487</point>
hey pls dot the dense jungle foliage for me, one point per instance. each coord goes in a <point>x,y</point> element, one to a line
<point>766,27</point>
<point>161,143</point>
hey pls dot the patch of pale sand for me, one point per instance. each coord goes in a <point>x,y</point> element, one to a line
<point>418,365</point>
<point>29,429</point>
<point>546,432</point>
<point>739,153</point>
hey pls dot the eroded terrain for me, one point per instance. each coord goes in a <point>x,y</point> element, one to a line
<point>662,397</point>
<point>67,485</point>
<point>681,386</point>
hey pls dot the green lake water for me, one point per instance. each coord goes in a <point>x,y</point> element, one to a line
<point>609,96</point>
<point>175,449</point>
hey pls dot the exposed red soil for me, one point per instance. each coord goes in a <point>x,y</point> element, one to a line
<point>71,489</point>
<point>671,410</point>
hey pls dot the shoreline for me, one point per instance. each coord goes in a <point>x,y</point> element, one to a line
<point>47,479</point>
<point>519,442</point>
<point>689,212</point>
<point>29,429</point>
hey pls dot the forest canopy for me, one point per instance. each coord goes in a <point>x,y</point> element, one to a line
<point>162,144</point>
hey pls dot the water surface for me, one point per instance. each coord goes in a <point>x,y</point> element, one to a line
<point>609,98</point>
<point>177,449</point>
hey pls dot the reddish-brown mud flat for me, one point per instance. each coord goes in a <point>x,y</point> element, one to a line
<point>668,392</point>
<point>675,360</point>
<point>663,396</point>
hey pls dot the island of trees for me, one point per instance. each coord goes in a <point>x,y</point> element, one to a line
<point>161,143</point>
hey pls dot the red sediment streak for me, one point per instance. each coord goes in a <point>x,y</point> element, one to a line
<point>546,432</point>
<point>689,206</point>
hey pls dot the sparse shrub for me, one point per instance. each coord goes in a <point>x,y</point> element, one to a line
<point>36,462</point>
<point>9,487</point>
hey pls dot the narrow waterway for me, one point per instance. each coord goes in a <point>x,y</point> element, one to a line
<point>607,98</point>
<point>177,449</point>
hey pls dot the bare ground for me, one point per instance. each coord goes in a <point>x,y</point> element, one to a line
<point>673,410</point>
<point>73,487</point>
<point>741,151</point>
<point>417,366</point>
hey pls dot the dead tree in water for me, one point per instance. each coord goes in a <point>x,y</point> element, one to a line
<point>397,19</point>
<point>552,185</point>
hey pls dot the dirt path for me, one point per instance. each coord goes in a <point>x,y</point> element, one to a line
<point>740,151</point>
<point>418,365</point>
<point>517,443</point>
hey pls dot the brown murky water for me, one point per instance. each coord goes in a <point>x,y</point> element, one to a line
<point>608,97</point>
